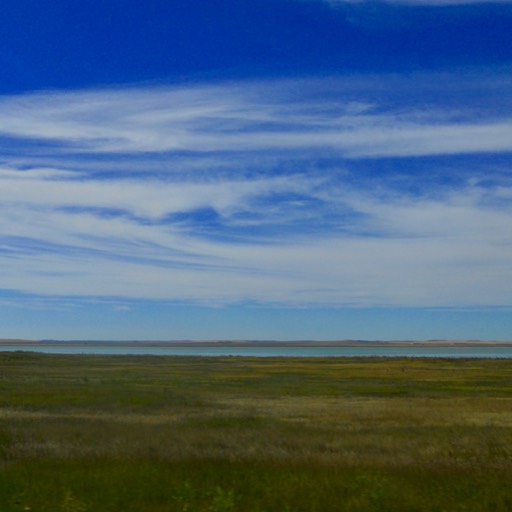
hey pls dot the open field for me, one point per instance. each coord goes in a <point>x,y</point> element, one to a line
<point>110,433</point>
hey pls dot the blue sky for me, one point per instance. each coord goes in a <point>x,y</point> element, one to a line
<point>264,169</point>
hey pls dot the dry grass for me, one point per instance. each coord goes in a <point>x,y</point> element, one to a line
<point>342,434</point>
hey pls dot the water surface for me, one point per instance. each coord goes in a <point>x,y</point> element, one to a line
<point>490,351</point>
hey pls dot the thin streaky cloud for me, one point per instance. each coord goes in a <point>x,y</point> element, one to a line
<point>224,119</point>
<point>149,199</point>
<point>251,191</point>
<point>452,236</point>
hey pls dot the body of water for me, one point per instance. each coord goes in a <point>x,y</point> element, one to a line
<point>277,351</point>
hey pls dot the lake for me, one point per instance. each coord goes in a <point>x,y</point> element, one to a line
<point>490,351</point>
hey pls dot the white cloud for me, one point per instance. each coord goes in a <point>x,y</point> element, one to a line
<point>396,271</point>
<point>148,198</point>
<point>99,191</point>
<point>449,251</point>
<point>234,118</point>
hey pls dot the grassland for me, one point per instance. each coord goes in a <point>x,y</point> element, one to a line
<point>101,433</point>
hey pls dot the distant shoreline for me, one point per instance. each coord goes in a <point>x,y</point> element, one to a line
<point>255,343</point>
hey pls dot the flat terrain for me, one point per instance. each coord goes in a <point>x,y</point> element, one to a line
<point>253,343</point>
<point>110,433</point>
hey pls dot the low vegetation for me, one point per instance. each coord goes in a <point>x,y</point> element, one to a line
<point>110,433</point>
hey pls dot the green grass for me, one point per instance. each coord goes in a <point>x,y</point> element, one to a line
<point>105,433</point>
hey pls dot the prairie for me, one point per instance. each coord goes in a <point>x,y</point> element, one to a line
<point>105,433</point>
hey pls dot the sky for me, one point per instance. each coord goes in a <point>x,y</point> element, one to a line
<point>256,169</point>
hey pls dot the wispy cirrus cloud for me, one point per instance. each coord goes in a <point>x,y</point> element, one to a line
<point>233,118</point>
<point>265,191</point>
<point>150,199</point>
<point>451,251</point>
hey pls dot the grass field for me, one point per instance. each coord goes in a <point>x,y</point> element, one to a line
<point>123,433</point>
